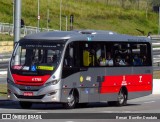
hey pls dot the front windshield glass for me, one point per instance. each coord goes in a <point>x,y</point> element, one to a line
<point>36,58</point>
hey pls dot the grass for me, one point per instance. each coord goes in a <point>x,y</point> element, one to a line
<point>88,14</point>
<point>6,37</point>
<point>3,87</point>
<point>156,74</point>
<point>3,90</point>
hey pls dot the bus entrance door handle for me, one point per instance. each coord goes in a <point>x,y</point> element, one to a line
<point>100,78</point>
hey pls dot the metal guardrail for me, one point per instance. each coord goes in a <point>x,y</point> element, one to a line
<point>156,51</point>
<point>9,29</point>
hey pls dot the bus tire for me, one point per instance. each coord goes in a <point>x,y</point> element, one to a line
<point>72,101</point>
<point>122,98</point>
<point>25,105</point>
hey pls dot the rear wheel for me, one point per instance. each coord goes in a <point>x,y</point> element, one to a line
<point>25,105</point>
<point>121,99</point>
<point>72,100</point>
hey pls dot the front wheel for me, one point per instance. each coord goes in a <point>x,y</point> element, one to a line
<point>25,105</point>
<point>71,101</point>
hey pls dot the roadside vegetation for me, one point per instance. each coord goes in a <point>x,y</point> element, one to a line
<point>133,17</point>
<point>6,37</point>
<point>3,90</point>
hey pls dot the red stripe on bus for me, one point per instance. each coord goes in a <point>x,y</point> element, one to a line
<point>30,80</point>
<point>133,83</point>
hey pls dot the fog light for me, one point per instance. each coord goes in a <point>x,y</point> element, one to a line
<point>54,98</point>
<point>52,93</point>
<point>9,96</point>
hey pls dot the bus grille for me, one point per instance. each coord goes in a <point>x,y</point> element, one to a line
<point>29,97</point>
<point>30,80</point>
<point>30,83</point>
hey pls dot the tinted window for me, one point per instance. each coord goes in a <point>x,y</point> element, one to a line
<point>109,54</point>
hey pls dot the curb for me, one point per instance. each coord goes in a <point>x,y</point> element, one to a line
<point>156,86</point>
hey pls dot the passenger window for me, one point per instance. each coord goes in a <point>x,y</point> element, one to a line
<point>139,54</point>
<point>88,54</point>
<point>107,54</point>
<point>122,54</point>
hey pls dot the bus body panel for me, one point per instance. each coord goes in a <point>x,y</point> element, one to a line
<point>94,84</point>
<point>67,84</point>
<point>133,95</point>
<point>38,96</point>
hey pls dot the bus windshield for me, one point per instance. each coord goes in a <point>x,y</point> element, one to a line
<point>36,58</point>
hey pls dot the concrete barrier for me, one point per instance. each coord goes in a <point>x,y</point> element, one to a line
<point>156,86</point>
<point>6,46</point>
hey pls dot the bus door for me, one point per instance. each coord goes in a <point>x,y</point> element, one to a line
<point>70,70</point>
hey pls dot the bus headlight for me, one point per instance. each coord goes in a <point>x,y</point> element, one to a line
<point>54,82</point>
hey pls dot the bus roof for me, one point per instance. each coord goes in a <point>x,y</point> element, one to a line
<point>85,35</point>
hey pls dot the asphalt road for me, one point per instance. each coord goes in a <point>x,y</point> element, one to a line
<point>148,104</point>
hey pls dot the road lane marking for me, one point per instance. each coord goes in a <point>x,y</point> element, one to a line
<point>119,111</point>
<point>42,112</point>
<point>150,102</point>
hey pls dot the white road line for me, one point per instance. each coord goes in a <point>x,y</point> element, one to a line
<point>41,112</point>
<point>117,111</point>
<point>150,102</point>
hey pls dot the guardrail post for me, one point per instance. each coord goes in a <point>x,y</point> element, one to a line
<point>0,27</point>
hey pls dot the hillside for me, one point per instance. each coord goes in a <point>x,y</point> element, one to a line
<point>88,14</point>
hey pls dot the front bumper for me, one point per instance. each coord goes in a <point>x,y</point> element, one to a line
<point>43,94</point>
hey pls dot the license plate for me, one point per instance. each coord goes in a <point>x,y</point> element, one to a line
<point>28,93</point>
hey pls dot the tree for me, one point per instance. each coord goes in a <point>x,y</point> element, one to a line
<point>133,2</point>
<point>155,5</point>
<point>123,3</point>
<point>155,2</point>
